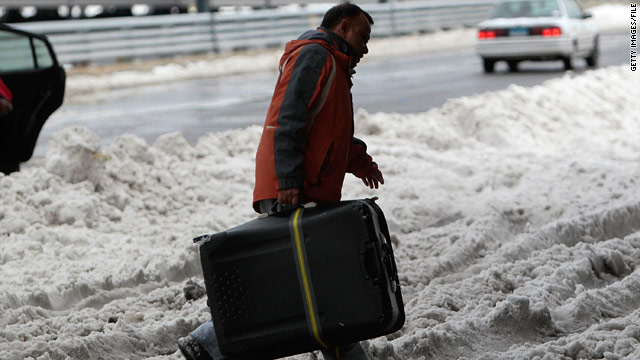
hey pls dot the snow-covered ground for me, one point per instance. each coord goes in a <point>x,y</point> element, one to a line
<point>515,216</point>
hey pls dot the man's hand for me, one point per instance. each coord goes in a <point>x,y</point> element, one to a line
<point>374,178</point>
<point>5,107</point>
<point>289,196</point>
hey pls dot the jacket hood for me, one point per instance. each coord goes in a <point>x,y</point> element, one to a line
<point>340,49</point>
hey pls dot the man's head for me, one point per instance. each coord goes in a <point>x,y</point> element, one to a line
<point>352,24</point>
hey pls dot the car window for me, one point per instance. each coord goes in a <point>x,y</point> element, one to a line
<point>573,9</point>
<point>532,8</point>
<point>17,53</point>
<point>42,54</point>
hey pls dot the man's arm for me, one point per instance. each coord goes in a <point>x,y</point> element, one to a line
<point>307,74</point>
<point>362,165</point>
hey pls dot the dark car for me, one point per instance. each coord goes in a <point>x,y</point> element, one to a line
<point>30,69</point>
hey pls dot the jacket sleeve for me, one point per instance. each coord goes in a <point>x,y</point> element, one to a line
<point>307,73</point>
<point>360,163</point>
<point>5,92</point>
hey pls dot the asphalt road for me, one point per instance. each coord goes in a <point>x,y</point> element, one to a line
<point>402,85</point>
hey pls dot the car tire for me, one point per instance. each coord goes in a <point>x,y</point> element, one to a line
<point>9,167</point>
<point>568,63</point>
<point>488,65</point>
<point>513,65</point>
<point>592,59</point>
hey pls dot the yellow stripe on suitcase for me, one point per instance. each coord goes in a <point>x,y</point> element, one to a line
<point>303,276</point>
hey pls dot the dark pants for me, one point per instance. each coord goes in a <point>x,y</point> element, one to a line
<point>205,335</point>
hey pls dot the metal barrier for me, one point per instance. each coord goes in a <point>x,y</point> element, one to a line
<point>118,39</point>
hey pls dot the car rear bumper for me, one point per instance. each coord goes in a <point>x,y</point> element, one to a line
<point>525,48</point>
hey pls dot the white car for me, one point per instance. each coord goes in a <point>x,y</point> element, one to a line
<point>519,30</point>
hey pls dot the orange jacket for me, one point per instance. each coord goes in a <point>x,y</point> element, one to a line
<point>307,141</point>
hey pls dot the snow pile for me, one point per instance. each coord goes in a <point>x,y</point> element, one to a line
<point>72,156</point>
<point>512,118</point>
<point>515,217</point>
<point>606,17</point>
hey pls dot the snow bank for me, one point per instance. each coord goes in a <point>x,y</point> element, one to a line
<point>606,17</point>
<point>515,217</point>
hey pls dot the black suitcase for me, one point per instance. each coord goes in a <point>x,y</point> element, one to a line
<point>302,280</point>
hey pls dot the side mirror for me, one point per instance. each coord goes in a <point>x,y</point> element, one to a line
<point>586,15</point>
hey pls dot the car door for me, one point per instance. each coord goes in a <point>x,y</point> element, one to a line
<point>582,31</point>
<point>30,69</point>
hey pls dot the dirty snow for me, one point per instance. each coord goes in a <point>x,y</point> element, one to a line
<point>515,217</point>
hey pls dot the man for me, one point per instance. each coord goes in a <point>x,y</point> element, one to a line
<point>307,145</point>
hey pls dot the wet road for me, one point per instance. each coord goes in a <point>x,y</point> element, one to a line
<point>407,84</point>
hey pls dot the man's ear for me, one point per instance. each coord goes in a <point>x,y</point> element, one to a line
<point>344,25</point>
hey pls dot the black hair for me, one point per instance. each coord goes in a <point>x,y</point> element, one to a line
<point>344,10</point>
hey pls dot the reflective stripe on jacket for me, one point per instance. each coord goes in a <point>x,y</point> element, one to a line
<point>307,140</point>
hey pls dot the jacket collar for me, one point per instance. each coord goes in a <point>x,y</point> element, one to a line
<point>331,41</point>
<point>338,41</point>
<point>341,44</point>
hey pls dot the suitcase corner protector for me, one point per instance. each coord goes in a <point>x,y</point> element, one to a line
<point>201,239</point>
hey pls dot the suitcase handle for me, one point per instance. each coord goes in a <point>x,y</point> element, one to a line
<point>374,269</point>
<point>390,261</point>
<point>389,264</point>
<point>276,207</point>
<point>370,260</point>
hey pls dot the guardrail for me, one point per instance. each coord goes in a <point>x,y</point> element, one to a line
<point>44,4</point>
<point>122,39</point>
<point>52,4</point>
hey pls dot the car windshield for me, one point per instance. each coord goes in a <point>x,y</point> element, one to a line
<point>532,8</point>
